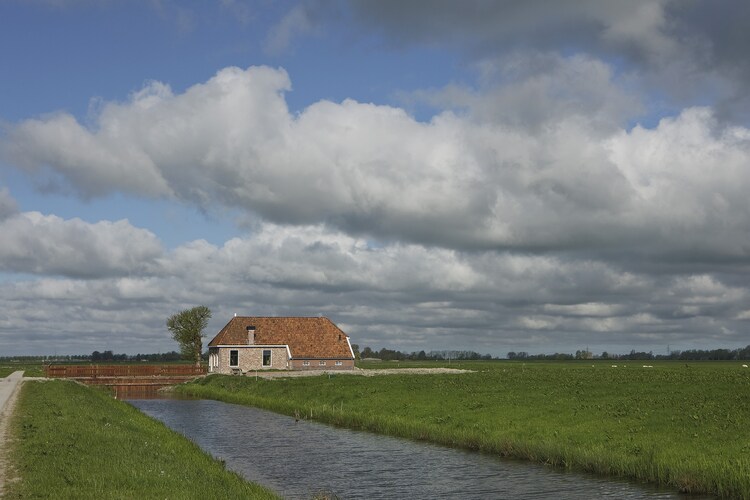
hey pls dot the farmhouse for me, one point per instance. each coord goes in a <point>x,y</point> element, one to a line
<point>250,343</point>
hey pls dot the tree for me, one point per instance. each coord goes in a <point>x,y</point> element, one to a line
<point>187,330</point>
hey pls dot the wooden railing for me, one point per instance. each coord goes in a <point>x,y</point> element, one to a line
<point>95,371</point>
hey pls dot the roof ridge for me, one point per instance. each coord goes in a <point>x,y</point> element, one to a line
<point>283,317</point>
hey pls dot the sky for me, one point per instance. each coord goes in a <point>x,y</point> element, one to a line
<point>490,176</point>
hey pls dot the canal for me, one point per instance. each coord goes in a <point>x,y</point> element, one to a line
<point>301,459</point>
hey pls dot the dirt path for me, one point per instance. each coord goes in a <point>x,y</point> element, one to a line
<point>8,395</point>
<point>356,371</point>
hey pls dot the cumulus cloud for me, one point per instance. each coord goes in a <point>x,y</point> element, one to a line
<point>533,90</point>
<point>455,181</point>
<point>48,245</point>
<point>689,176</point>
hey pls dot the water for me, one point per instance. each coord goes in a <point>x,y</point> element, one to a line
<point>302,459</point>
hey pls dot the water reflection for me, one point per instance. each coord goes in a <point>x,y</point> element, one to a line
<point>301,459</point>
<point>136,391</point>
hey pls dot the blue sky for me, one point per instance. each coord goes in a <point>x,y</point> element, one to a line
<point>431,175</point>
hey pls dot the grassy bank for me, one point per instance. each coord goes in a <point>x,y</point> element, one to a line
<point>71,441</point>
<point>685,426</point>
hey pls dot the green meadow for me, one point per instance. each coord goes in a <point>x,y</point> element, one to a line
<point>70,441</point>
<point>28,369</point>
<point>684,426</point>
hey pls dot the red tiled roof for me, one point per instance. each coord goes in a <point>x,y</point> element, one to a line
<point>306,337</point>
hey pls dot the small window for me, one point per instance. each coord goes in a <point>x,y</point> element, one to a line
<point>322,363</point>
<point>234,358</point>
<point>267,357</point>
<point>339,363</point>
<point>305,363</point>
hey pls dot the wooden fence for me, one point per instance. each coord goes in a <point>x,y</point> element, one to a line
<point>96,371</point>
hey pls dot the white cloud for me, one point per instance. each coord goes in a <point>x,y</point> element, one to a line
<point>689,177</point>
<point>454,183</point>
<point>593,309</point>
<point>534,90</point>
<point>46,244</point>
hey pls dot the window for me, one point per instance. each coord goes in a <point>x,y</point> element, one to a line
<point>322,363</point>
<point>339,363</point>
<point>305,363</point>
<point>234,358</point>
<point>267,357</point>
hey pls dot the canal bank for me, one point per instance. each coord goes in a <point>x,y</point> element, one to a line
<point>72,441</point>
<point>682,426</point>
<point>300,459</point>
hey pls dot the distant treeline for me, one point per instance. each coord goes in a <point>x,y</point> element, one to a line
<point>391,355</point>
<point>109,356</point>
<point>96,357</point>
<point>687,355</point>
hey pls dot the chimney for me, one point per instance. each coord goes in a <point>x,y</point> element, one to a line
<point>250,335</point>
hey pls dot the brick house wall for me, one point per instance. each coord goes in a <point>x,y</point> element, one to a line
<point>250,358</point>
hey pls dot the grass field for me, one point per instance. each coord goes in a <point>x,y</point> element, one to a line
<point>71,441</point>
<point>28,369</point>
<point>682,425</point>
